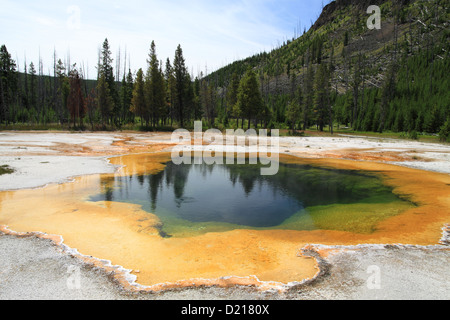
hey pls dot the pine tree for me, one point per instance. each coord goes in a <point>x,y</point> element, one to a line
<point>33,93</point>
<point>155,88</point>
<point>294,109</point>
<point>91,107</point>
<point>346,38</point>
<point>62,91</point>
<point>138,99</point>
<point>126,96</point>
<point>388,93</point>
<point>181,75</point>
<point>197,112</point>
<point>170,82</point>
<point>8,83</point>
<point>356,84</point>
<point>208,100</point>
<point>189,97</point>
<point>106,72</point>
<point>321,95</point>
<point>444,134</point>
<point>75,100</point>
<point>309,96</point>
<point>104,100</point>
<point>232,93</point>
<point>249,100</point>
<point>106,68</point>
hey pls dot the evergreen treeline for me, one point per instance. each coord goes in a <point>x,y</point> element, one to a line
<point>159,96</point>
<point>335,75</point>
<point>151,98</point>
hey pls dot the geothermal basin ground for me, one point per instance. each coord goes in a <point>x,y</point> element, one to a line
<point>35,264</point>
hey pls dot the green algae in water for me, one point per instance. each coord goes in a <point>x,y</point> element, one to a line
<point>5,169</point>
<point>195,199</point>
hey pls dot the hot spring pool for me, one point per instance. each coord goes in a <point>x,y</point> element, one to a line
<point>196,199</point>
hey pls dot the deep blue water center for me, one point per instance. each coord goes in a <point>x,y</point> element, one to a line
<point>238,194</point>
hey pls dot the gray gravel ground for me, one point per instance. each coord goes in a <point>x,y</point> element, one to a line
<point>35,269</point>
<point>384,273</point>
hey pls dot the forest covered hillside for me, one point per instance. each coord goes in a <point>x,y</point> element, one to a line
<point>392,78</point>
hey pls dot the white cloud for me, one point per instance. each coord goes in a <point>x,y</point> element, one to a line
<point>46,22</point>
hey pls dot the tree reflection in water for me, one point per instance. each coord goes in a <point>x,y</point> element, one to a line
<point>238,194</point>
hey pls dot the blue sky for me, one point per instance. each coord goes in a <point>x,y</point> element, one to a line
<point>211,33</point>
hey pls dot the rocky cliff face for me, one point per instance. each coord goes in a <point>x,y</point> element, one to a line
<point>376,73</point>
<point>328,11</point>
